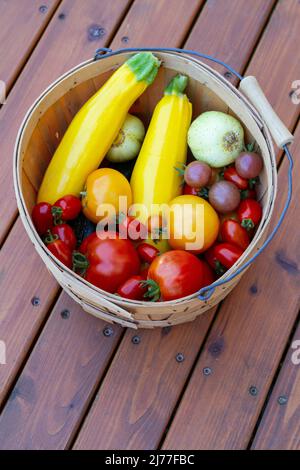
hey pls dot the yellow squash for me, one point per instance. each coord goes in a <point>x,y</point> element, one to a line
<point>94,128</point>
<point>155,179</point>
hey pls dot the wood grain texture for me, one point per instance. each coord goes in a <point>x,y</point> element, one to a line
<point>21,25</point>
<point>22,277</point>
<point>58,380</point>
<point>245,344</point>
<point>145,380</point>
<point>280,424</point>
<point>51,378</point>
<point>68,40</point>
<point>147,431</point>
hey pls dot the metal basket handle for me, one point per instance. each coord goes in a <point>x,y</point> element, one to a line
<point>250,87</point>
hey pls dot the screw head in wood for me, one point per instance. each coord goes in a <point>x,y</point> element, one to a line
<point>125,39</point>
<point>136,339</point>
<point>207,371</point>
<point>180,357</point>
<point>65,314</point>
<point>108,331</point>
<point>282,400</point>
<point>43,8</point>
<point>253,390</point>
<point>35,301</point>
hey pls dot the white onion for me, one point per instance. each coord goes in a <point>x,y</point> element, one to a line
<point>129,140</point>
<point>216,138</point>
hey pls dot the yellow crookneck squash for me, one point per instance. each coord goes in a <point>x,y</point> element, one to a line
<point>94,128</point>
<point>155,179</point>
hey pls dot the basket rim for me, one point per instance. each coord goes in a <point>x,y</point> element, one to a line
<point>25,216</point>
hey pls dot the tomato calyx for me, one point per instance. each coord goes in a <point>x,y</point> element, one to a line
<point>57,215</point>
<point>50,237</point>
<point>248,224</point>
<point>253,182</point>
<point>80,263</point>
<point>153,292</point>
<point>219,268</point>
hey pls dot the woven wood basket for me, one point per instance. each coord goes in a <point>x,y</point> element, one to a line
<point>47,120</point>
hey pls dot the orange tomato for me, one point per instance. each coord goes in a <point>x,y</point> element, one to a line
<point>194,224</point>
<point>105,186</point>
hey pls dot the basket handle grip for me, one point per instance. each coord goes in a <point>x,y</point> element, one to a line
<point>252,90</point>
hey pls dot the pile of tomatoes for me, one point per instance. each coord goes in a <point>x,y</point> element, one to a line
<point>150,267</point>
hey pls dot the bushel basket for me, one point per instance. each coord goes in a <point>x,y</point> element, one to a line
<point>48,119</point>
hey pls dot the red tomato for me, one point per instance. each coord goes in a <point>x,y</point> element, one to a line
<point>213,261</point>
<point>97,235</point>
<point>201,192</point>
<point>249,213</point>
<point>227,254</point>
<point>230,174</point>
<point>67,207</point>
<point>147,253</point>
<point>59,249</point>
<point>133,288</point>
<point>66,234</point>
<point>131,228</point>
<point>144,271</point>
<point>42,217</point>
<point>111,261</point>
<point>233,232</point>
<point>175,274</point>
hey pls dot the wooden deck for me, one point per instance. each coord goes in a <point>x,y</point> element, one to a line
<point>68,385</point>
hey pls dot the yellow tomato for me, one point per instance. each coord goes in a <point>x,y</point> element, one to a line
<point>107,193</point>
<point>161,244</point>
<point>194,224</point>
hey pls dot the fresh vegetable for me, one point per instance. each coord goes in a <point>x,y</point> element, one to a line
<point>147,252</point>
<point>160,243</point>
<point>202,192</point>
<point>127,144</point>
<point>197,174</point>
<point>194,224</point>
<point>107,263</point>
<point>227,254</point>
<point>224,196</point>
<point>42,217</point>
<point>249,213</point>
<point>154,179</point>
<point>59,249</point>
<point>105,186</point>
<point>133,288</point>
<point>66,234</point>
<point>230,174</point>
<point>131,228</point>
<point>95,127</point>
<point>66,208</point>
<point>216,138</point>
<point>144,271</point>
<point>213,261</point>
<point>249,165</point>
<point>175,274</point>
<point>233,232</point>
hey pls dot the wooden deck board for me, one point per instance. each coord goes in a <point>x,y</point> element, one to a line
<point>280,425</point>
<point>29,18</point>
<point>144,383</point>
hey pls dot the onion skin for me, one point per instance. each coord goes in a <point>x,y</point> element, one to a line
<point>128,142</point>
<point>216,138</point>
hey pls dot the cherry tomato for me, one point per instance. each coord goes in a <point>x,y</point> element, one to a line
<point>147,253</point>
<point>230,174</point>
<point>133,288</point>
<point>42,217</point>
<point>233,232</point>
<point>175,274</point>
<point>144,271</point>
<point>131,228</point>
<point>202,192</point>
<point>248,194</point>
<point>66,234</point>
<point>67,208</point>
<point>249,164</point>
<point>224,196</point>
<point>108,262</point>
<point>97,235</point>
<point>197,174</point>
<point>249,213</point>
<point>59,249</point>
<point>212,260</point>
<point>227,254</point>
